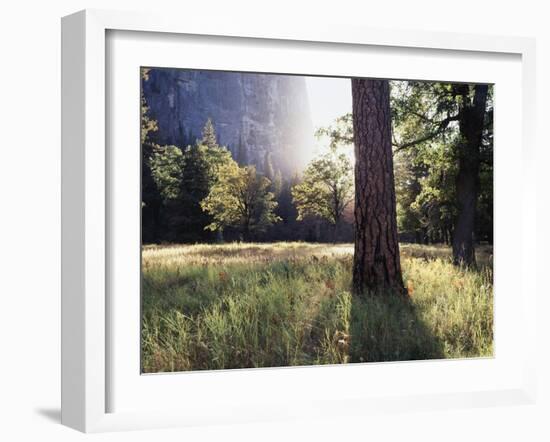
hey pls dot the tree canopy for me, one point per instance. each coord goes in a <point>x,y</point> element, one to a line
<point>326,188</point>
<point>433,139</point>
<point>241,199</point>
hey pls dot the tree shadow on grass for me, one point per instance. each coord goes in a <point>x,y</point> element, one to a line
<point>389,328</point>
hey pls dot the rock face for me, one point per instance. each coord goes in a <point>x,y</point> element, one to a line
<point>253,114</point>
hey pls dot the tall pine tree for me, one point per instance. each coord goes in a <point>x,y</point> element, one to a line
<point>209,135</point>
<point>376,261</point>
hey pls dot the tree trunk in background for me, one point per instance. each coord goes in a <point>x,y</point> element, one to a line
<point>376,262</point>
<point>335,232</point>
<point>471,121</point>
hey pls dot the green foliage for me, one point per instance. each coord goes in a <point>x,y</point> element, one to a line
<point>176,179</point>
<point>426,140</point>
<point>340,133</point>
<point>148,125</point>
<point>407,187</point>
<point>427,143</point>
<point>425,160</point>
<point>422,112</point>
<point>240,198</point>
<point>209,138</point>
<point>166,166</point>
<point>150,195</point>
<point>199,173</point>
<point>184,178</point>
<point>267,305</point>
<point>326,188</point>
<point>286,209</point>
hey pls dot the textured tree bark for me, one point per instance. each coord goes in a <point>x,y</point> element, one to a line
<point>471,121</point>
<point>376,262</point>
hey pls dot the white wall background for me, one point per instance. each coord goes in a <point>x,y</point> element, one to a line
<point>30,216</point>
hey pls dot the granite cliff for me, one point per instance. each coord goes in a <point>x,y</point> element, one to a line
<point>253,114</point>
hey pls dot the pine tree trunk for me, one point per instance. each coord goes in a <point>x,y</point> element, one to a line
<point>376,262</point>
<point>472,117</point>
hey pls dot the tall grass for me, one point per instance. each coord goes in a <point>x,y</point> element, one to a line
<point>257,305</point>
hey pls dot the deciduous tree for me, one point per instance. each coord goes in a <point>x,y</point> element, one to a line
<point>326,189</point>
<point>240,198</point>
<point>449,129</point>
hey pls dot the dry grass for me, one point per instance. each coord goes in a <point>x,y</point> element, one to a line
<point>177,255</point>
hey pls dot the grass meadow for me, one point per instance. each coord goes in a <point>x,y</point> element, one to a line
<point>266,305</point>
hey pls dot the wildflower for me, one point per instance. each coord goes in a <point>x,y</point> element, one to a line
<point>410,287</point>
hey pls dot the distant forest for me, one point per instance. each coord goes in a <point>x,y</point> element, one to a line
<point>200,191</point>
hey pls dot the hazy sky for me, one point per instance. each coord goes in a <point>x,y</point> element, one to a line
<point>329,99</point>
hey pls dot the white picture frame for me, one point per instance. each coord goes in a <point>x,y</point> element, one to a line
<point>86,315</point>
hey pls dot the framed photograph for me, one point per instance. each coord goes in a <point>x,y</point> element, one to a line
<point>271,223</point>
